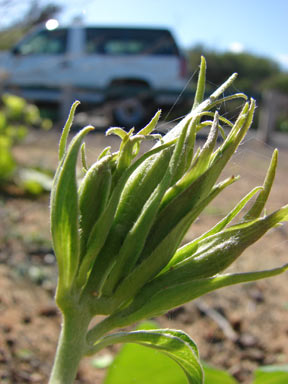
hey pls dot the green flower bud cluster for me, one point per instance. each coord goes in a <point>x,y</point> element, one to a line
<point>117,235</point>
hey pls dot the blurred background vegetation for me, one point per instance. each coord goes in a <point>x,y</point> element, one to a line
<point>256,73</point>
<point>23,22</point>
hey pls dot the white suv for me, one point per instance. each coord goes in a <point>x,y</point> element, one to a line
<point>139,66</point>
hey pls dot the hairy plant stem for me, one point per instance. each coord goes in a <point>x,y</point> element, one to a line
<point>71,347</point>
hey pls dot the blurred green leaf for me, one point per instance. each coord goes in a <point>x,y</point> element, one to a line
<point>137,364</point>
<point>271,374</point>
<point>7,163</point>
<point>14,106</point>
<point>34,181</point>
<point>217,376</point>
<point>141,365</point>
<point>2,121</point>
<point>32,115</point>
<point>16,117</point>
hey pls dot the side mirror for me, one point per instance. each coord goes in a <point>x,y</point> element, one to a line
<point>15,50</point>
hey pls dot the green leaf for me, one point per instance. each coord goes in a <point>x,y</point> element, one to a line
<point>217,376</point>
<point>15,106</point>
<point>175,344</point>
<point>137,364</point>
<point>3,122</point>
<point>7,163</point>
<point>271,374</point>
<point>34,181</point>
<point>64,212</point>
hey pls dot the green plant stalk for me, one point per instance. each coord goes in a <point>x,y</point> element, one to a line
<point>71,347</point>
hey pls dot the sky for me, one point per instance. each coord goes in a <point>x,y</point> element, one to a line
<point>256,26</point>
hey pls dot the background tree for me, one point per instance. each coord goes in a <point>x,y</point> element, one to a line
<point>36,13</point>
<point>253,70</point>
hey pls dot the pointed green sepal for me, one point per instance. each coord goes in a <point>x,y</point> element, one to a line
<point>151,303</point>
<point>66,130</point>
<point>151,125</point>
<point>83,158</point>
<point>188,249</point>
<point>200,90</point>
<point>260,202</point>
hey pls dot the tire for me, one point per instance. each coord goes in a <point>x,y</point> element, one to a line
<point>129,113</point>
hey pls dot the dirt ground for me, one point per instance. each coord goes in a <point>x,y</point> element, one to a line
<point>237,328</point>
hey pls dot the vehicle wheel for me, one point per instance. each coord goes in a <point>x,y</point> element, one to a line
<point>129,113</point>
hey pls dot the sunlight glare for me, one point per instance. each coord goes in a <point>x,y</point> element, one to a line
<point>51,24</point>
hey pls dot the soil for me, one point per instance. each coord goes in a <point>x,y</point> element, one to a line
<point>237,328</point>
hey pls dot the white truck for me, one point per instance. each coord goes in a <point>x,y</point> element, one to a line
<point>132,68</point>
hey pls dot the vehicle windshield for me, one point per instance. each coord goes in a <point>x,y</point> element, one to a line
<point>129,42</point>
<point>44,42</point>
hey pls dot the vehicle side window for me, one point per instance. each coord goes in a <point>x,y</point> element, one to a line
<point>44,42</point>
<point>129,42</point>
